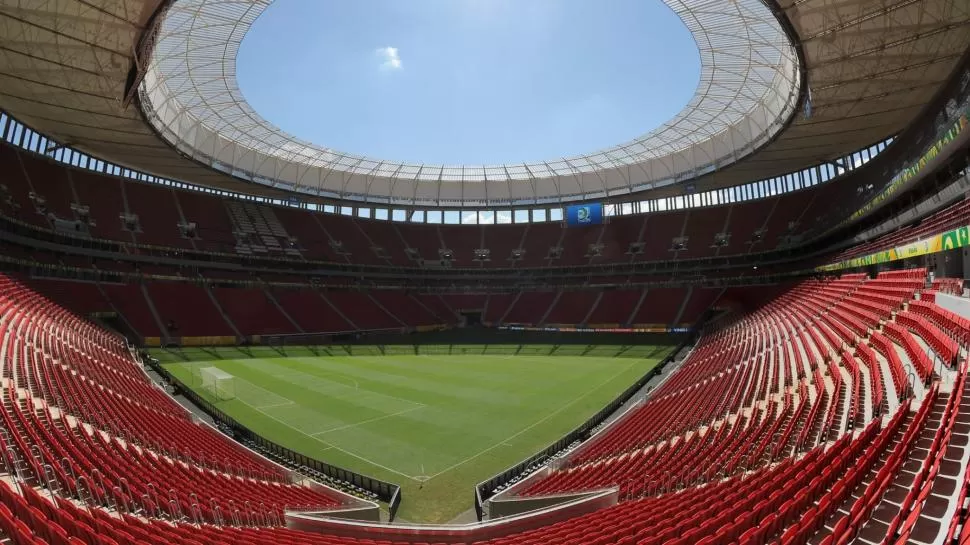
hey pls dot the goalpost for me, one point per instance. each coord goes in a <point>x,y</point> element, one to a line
<point>217,382</point>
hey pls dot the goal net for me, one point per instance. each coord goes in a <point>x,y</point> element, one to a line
<point>217,382</point>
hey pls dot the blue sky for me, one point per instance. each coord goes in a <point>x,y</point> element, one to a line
<point>468,81</point>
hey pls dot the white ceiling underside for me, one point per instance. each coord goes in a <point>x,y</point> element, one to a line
<point>749,87</point>
<point>871,66</point>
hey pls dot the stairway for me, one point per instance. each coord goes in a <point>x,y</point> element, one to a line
<point>592,308</point>
<point>683,306</point>
<point>386,311</point>
<point>509,309</point>
<point>337,310</point>
<point>272,299</point>
<point>545,315</point>
<point>258,231</point>
<point>636,308</point>
<point>889,505</point>
<point>178,207</point>
<point>163,331</point>
<point>222,311</point>
<point>421,304</point>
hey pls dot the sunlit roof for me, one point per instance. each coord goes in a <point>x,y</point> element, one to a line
<point>749,88</point>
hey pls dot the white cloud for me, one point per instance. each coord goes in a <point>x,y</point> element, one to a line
<point>390,58</point>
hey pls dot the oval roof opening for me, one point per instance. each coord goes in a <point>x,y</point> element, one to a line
<point>468,81</point>
<point>749,87</point>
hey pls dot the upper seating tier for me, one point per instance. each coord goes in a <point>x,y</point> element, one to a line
<point>248,228</point>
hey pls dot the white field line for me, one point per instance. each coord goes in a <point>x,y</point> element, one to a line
<point>424,478</point>
<point>368,421</point>
<point>249,384</point>
<point>540,421</point>
<point>272,406</point>
<point>356,384</point>
<point>273,396</point>
<point>332,375</point>
<point>331,446</point>
<point>288,374</point>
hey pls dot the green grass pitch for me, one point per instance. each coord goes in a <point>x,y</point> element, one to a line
<point>435,424</point>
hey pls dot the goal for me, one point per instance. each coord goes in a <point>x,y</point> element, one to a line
<point>217,382</point>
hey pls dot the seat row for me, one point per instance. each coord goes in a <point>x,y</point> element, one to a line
<point>769,432</point>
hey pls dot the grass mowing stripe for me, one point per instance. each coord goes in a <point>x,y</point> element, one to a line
<point>447,370</point>
<point>505,441</point>
<point>327,396</point>
<point>275,406</point>
<point>379,376</point>
<point>436,424</point>
<point>336,447</point>
<point>375,419</point>
<point>367,388</point>
<point>320,383</point>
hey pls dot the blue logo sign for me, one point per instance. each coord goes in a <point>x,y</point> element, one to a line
<point>585,214</point>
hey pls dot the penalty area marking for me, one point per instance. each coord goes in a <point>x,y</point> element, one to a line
<point>344,378</point>
<point>331,373</point>
<point>273,406</point>
<point>329,446</point>
<point>332,446</point>
<point>368,421</point>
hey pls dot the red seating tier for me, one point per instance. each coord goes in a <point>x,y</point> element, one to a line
<point>76,404</point>
<point>355,238</point>
<point>311,311</point>
<point>615,307</point>
<point>252,312</point>
<point>660,306</point>
<point>529,308</point>
<point>405,308</point>
<point>362,310</point>
<point>733,430</point>
<point>200,318</point>
<point>130,302</point>
<point>157,214</point>
<point>572,307</point>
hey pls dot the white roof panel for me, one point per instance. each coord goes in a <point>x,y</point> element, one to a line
<point>192,93</point>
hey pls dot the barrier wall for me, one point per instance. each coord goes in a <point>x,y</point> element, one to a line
<point>949,240</point>
<point>464,533</point>
<point>485,490</point>
<point>949,133</point>
<point>959,305</point>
